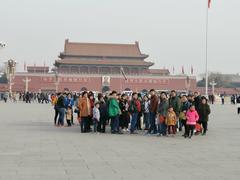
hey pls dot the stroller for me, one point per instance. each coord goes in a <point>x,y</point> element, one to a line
<point>198,129</point>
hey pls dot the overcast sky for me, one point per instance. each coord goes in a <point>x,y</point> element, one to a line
<point>172,32</point>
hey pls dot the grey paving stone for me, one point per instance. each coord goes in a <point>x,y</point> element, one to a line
<point>32,148</point>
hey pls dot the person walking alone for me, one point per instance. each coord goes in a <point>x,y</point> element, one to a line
<point>204,111</point>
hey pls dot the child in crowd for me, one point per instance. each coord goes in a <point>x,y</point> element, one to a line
<point>192,118</point>
<point>171,120</point>
<point>69,116</point>
<point>96,116</point>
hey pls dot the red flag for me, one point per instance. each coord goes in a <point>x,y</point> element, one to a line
<point>34,67</point>
<point>44,65</point>
<point>209,3</point>
<point>123,73</point>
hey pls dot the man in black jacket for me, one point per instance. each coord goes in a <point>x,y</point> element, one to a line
<point>103,114</point>
<point>197,101</point>
<point>61,108</point>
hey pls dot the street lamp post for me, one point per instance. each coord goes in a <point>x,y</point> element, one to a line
<point>11,67</point>
<point>26,80</point>
<point>188,84</point>
<point>213,84</point>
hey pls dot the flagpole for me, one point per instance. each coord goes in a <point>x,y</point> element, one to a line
<point>206,65</point>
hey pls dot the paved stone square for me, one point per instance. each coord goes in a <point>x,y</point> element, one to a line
<point>32,148</point>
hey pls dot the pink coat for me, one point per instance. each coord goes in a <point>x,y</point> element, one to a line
<point>192,117</point>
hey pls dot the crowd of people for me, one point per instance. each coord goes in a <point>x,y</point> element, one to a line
<point>27,97</point>
<point>152,113</point>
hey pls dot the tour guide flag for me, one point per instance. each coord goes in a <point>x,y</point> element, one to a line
<point>209,3</point>
<point>123,73</point>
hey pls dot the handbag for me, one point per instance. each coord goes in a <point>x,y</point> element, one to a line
<point>76,110</point>
<point>162,119</point>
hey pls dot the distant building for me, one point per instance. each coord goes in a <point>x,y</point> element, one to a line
<point>38,69</point>
<point>101,67</point>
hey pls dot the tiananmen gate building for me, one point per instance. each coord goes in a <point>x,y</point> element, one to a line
<point>100,67</point>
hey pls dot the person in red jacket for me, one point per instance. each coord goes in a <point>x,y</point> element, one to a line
<point>134,108</point>
<point>153,112</point>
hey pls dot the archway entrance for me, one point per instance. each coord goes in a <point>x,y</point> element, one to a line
<point>105,89</point>
<point>144,91</point>
<point>83,89</point>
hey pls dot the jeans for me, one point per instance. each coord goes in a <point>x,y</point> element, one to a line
<point>115,124</point>
<point>61,116</point>
<point>146,119</point>
<point>181,124</point>
<point>133,122</point>
<point>162,128</point>
<point>95,125</point>
<point>153,128</point>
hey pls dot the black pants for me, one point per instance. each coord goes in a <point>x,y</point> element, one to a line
<point>89,122</point>
<point>205,126</point>
<point>184,125</point>
<point>84,124</point>
<point>124,120</point>
<point>56,116</point>
<point>72,117</point>
<point>139,121</point>
<point>190,130</point>
<point>101,127</point>
<point>28,101</point>
<point>239,110</point>
<point>69,122</point>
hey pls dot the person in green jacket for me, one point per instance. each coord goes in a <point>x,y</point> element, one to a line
<point>114,112</point>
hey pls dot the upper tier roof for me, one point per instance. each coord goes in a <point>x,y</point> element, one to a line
<point>102,50</point>
<point>103,62</point>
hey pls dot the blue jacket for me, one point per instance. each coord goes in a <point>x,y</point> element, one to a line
<point>69,102</point>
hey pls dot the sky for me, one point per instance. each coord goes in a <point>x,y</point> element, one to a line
<point>171,32</point>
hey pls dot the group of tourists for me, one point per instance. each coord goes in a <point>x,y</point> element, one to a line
<point>155,114</point>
